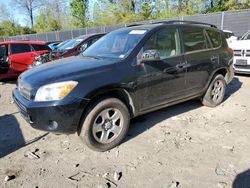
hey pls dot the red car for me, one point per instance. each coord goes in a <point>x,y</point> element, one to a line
<point>17,56</point>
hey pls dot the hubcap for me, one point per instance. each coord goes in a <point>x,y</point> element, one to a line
<point>108,125</point>
<point>217,91</point>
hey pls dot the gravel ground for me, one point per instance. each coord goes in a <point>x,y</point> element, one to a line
<point>184,146</point>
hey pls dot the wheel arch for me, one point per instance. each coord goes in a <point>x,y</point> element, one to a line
<point>119,93</point>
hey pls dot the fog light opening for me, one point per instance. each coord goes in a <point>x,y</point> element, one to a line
<point>52,125</point>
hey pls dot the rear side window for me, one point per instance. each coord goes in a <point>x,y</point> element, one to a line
<point>38,47</point>
<point>215,38</point>
<point>20,48</point>
<point>194,39</point>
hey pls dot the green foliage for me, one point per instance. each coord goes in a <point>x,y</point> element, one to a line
<point>46,23</point>
<point>78,10</point>
<point>8,27</point>
<point>226,5</point>
<point>50,17</point>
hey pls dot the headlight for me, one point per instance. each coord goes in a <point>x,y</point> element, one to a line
<point>37,61</point>
<point>56,91</point>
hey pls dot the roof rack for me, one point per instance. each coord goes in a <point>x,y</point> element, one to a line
<point>175,21</point>
<point>186,22</point>
<point>132,25</point>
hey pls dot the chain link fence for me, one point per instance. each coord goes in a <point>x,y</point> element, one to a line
<point>237,21</point>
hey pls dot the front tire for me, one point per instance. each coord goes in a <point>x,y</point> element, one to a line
<point>105,124</point>
<point>215,92</point>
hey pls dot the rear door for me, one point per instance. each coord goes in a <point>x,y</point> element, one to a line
<point>199,58</point>
<point>21,56</point>
<point>165,78</point>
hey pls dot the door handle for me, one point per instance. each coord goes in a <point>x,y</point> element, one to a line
<point>214,58</point>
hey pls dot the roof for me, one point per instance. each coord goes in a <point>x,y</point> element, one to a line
<point>23,42</point>
<point>89,35</point>
<point>171,22</point>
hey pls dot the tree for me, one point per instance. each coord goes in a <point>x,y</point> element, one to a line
<point>79,10</point>
<point>146,9</point>
<point>7,28</point>
<point>28,7</point>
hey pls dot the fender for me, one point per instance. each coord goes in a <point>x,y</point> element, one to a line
<point>116,91</point>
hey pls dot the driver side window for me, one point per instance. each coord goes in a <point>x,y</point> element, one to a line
<point>166,42</point>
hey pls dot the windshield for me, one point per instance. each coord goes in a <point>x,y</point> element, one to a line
<point>117,44</point>
<point>246,36</point>
<point>70,44</point>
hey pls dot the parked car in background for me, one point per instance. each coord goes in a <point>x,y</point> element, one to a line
<point>69,48</point>
<point>53,44</point>
<point>242,54</point>
<point>61,43</point>
<point>230,37</point>
<point>17,56</point>
<point>127,73</point>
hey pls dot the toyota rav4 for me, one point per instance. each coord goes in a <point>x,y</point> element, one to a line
<point>127,73</point>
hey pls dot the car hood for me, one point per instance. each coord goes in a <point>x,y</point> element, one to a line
<point>240,44</point>
<point>70,68</point>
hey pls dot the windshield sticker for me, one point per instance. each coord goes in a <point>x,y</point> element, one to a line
<point>122,56</point>
<point>137,32</point>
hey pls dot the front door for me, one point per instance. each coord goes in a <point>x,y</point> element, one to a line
<point>164,78</point>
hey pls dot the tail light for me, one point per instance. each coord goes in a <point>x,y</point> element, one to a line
<point>230,50</point>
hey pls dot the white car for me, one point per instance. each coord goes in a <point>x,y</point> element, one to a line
<point>242,54</point>
<point>230,37</point>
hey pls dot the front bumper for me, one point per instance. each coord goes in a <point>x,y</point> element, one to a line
<point>244,69</point>
<point>56,116</point>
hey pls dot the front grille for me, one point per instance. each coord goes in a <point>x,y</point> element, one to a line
<point>24,89</point>
<point>242,66</point>
<point>248,53</point>
<point>242,53</point>
<point>237,53</point>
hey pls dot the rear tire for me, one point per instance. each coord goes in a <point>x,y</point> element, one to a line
<point>215,92</point>
<point>105,124</point>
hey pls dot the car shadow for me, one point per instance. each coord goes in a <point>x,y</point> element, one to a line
<point>11,137</point>
<point>242,180</point>
<point>142,123</point>
<point>8,81</point>
<point>233,87</point>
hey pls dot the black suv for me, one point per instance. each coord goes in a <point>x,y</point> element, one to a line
<point>127,73</point>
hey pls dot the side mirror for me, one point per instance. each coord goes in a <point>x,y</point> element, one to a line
<point>150,55</point>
